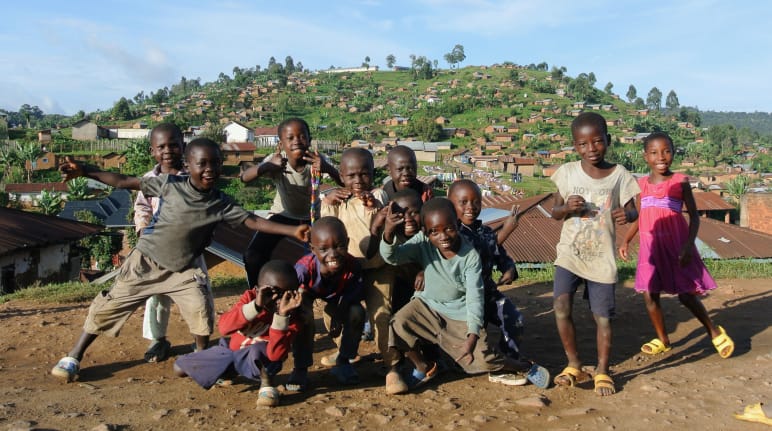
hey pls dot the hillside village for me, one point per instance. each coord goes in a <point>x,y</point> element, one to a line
<point>505,126</point>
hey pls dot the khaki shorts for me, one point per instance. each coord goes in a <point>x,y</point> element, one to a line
<point>416,322</point>
<point>140,278</point>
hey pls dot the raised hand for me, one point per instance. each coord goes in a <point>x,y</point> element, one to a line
<point>266,297</point>
<point>303,233</point>
<point>70,169</point>
<point>289,302</point>
<point>337,196</point>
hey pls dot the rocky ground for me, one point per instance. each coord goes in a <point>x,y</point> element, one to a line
<point>688,388</point>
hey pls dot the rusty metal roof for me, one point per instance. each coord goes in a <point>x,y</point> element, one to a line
<point>22,229</point>
<point>707,201</point>
<point>537,235</point>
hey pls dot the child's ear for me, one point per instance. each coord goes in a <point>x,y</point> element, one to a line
<point>608,139</point>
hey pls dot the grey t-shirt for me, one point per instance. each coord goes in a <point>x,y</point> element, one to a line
<point>182,226</point>
<point>293,193</point>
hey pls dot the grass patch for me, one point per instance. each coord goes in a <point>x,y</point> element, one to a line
<point>70,292</point>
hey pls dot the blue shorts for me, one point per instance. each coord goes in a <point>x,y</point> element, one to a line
<point>601,295</point>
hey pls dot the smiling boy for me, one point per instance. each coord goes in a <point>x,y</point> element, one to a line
<point>164,259</point>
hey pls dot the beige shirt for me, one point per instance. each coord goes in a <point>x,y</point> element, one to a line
<point>357,218</point>
<point>587,243</point>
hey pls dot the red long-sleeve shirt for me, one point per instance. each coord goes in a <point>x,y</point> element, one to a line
<point>246,326</point>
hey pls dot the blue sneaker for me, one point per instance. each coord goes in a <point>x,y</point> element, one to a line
<point>67,368</point>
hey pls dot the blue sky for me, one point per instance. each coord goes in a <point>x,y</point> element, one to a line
<point>67,56</point>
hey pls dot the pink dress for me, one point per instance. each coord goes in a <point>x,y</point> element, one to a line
<point>663,230</point>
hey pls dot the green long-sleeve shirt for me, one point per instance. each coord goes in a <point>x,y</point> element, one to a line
<point>452,287</point>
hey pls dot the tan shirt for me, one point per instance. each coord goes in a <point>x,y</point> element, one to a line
<point>357,218</point>
<point>587,243</point>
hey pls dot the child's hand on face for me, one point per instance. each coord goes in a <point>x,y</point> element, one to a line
<point>619,215</point>
<point>394,218</point>
<point>289,302</point>
<point>469,344</point>
<point>337,196</point>
<point>266,298</point>
<point>70,169</point>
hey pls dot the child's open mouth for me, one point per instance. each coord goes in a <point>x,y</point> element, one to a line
<point>332,264</point>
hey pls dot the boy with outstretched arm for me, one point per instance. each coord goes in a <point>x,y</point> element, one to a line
<point>164,259</point>
<point>257,334</point>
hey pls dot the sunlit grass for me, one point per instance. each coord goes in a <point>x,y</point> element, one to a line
<point>224,286</point>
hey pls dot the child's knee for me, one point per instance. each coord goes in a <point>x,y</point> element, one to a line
<point>562,306</point>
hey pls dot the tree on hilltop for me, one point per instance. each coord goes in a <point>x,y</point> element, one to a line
<point>456,56</point>
<point>654,99</point>
<point>632,93</point>
<point>671,102</point>
<point>608,88</point>
<point>390,60</point>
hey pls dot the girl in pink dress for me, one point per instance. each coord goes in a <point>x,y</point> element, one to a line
<point>668,260</point>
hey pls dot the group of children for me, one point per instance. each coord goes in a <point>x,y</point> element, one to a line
<point>422,266</point>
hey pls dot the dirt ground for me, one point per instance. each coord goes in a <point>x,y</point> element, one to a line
<point>688,388</point>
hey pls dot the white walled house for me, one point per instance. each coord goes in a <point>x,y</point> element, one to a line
<point>237,132</point>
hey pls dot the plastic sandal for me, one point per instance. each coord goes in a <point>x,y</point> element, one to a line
<point>754,413</point>
<point>268,396</point>
<point>539,376</point>
<point>67,368</point>
<point>418,379</point>
<point>572,375</point>
<point>655,347</point>
<point>723,343</point>
<point>604,381</point>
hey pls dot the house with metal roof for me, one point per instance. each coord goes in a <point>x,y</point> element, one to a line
<point>39,248</point>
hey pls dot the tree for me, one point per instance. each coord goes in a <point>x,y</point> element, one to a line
<point>632,93</point>
<point>122,110</point>
<point>737,186</point>
<point>50,203</point>
<point>8,157</point>
<point>455,56</point>
<point>608,88</point>
<point>591,79</point>
<point>77,189</point>
<point>558,73</point>
<point>138,158</point>
<point>390,60</point>
<point>289,65</point>
<point>671,102</point>
<point>654,99</point>
<point>29,152</point>
<point>30,113</point>
<point>639,103</point>
<point>366,63</point>
<point>100,248</point>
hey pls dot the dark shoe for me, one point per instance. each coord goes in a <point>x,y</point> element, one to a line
<point>158,351</point>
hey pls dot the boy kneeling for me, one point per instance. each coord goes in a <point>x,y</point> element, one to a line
<point>449,311</point>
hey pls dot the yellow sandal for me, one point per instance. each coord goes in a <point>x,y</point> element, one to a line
<point>604,381</point>
<point>655,347</point>
<point>723,343</point>
<point>571,376</point>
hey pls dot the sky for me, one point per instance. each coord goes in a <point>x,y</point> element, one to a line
<point>85,55</point>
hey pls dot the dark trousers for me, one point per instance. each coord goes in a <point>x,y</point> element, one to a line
<point>261,246</point>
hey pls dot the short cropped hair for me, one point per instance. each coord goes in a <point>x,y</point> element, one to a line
<point>332,223</point>
<point>283,125</point>
<point>280,269</point>
<point>590,119</point>
<point>464,182</point>
<point>657,135</point>
<point>202,143</point>
<point>359,153</point>
<point>436,205</point>
<point>169,128</point>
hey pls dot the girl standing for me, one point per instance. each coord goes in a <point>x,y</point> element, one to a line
<point>668,260</point>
